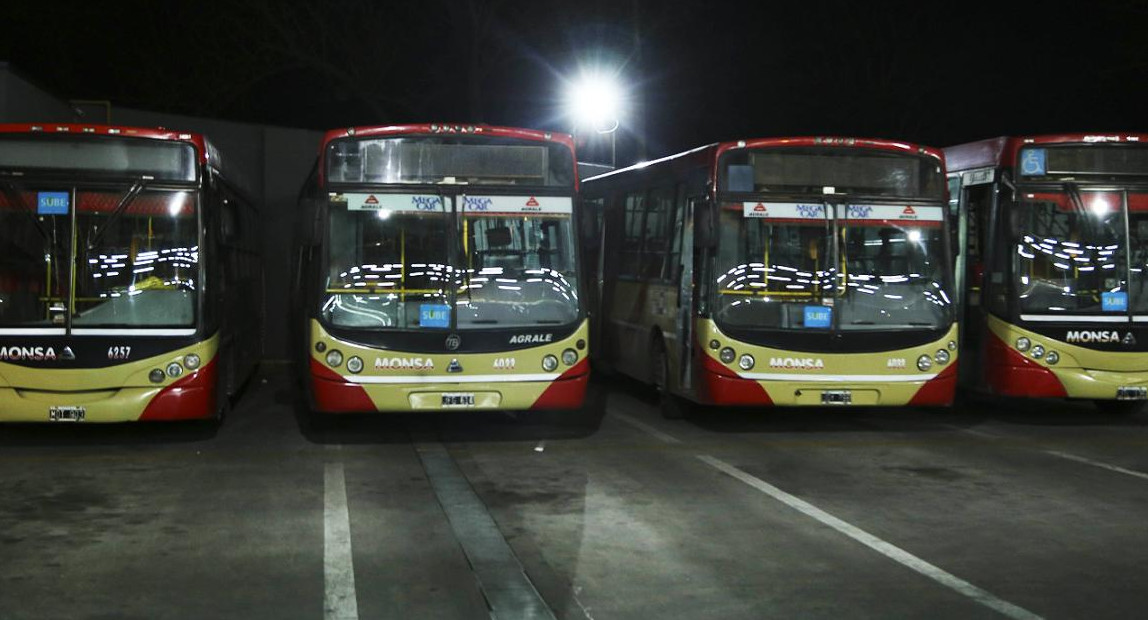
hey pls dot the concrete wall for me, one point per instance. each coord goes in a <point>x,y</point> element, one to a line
<point>273,161</point>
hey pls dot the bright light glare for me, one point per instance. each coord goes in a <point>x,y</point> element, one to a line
<point>595,102</point>
<point>1099,206</point>
<point>914,235</point>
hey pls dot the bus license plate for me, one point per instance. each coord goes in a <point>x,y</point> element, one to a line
<point>458,399</point>
<point>836,397</point>
<point>66,414</point>
<point>1132,393</point>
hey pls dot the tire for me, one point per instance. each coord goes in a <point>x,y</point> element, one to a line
<point>671,407</point>
<point>1120,407</point>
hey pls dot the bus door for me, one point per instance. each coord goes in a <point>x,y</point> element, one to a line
<point>975,196</point>
<point>686,302</point>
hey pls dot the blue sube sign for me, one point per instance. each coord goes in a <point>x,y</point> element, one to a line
<point>818,316</point>
<point>1114,302</point>
<point>52,203</point>
<point>434,315</point>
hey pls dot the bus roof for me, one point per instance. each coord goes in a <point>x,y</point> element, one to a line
<point>201,143</point>
<point>1002,151</point>
<point>710,152</point>
<point>436,128</point>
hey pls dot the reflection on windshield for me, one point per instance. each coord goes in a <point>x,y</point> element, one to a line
<point>1070,253</point>
<point>139,269</point>
<point>779,267</point>
<point>390,265</point>
<point>519,271</point>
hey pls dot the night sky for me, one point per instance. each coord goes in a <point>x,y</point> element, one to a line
<point>937,73</point>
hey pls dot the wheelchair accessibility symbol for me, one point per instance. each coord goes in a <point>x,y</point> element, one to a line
<point>1032,162</point>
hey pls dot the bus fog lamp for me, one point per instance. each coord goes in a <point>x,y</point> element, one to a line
<point>1022,344</point>
<point>941,357</point>
<point>549,363</point>
<point>1037,352</point>
<point>355,365</point>
<point>924,363</point>
<point>952,345</point>
<point>746,362</point>
<point>334,358</point>
<point>715,345</point>
<point>727,355</point>
<point>320,346</point>
<point>569,356</point>
<point>1052,358</point>
<point>174,370</point>
<point>192,361</point>
<point>156,375</point>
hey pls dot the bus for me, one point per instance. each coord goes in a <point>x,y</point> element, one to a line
<point>1054,248</point>
<point>783,271</point>
<point>130,276</point>
<point>439,270</point>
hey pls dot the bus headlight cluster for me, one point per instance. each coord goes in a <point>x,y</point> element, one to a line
<point>569,357</point>
<point>334,358</point>
<point>727,354</point>
<point>355,365</point>
<point>941,357</point>
<point>191,361</point>
<point>1024,345</point>
<point>174,370</point>
<point>924,363</point>
<point>746,361</point>
<point>549,363</point>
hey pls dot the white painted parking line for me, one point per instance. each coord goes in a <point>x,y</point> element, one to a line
<point>339,601</point>
<point>1081,459</point>
<point>1066,455</point>
<point>880,546</point>
<point>642,426</point>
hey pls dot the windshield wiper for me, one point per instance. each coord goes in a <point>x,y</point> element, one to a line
<point>1073,192</point>
<point>127,199</point>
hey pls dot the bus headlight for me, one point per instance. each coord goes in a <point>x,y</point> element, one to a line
<point>727,354</point>
<point>174,370</point>
<point>355,365</point>
<point>191,361</point>
<point>156,375</point>
<point>1052,358</point>
<point>1037,352</point>
<point>334,358</point>
<point>1022,344</point>
<point>569,356</point>
<point>952,345</point>
<point>941,357</point>
<point>924,363</point>
<point>746,361</point>
<point>549,363</point>
<point>715,345</point>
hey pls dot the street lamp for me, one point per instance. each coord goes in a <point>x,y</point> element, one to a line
<point>594,103</point>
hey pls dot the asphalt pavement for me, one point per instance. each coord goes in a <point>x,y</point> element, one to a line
<point>992,509</point>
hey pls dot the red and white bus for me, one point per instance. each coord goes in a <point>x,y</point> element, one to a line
<point>781,271</point>
<point>1054,233</point>
<point>438,270</point>
<point>130,284</point>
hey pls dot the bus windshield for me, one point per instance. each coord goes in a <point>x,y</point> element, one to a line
<point>868,267</point>
<point>427,261</point>
<point>1072,255</point>
<point>136,257</point>
<point>519,268</point>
